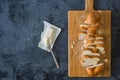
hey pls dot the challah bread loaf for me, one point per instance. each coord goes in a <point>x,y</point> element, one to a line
<point>93,44</point>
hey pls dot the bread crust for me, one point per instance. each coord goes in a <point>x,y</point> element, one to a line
<point>93,18</point>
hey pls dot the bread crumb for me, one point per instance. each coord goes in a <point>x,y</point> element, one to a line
<point>72,46</point>
<point>106,60</point>
<point>73,42</point>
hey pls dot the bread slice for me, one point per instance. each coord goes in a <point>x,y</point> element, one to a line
<point>89,52</point>
<point>85,25</point>
<point>96,65</point>
<point>102,52</point>
<point>94,27</point>
<point>88,44</point>
<point>89,41</point>
<point>91,32</point>
<point>95,50</point>
<point>83,29</point>
<point>90,62</point>
<point>99,37</point>
<point>100,47</point>
<point>88,56</point>
<point>99,41</point>
<point>91,47</point>
<point>81,35</point>
<point>89,37</point>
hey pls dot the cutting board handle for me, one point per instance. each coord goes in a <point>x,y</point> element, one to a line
<point>89,5</point>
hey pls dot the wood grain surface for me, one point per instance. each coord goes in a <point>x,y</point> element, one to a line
<point>75,18</point>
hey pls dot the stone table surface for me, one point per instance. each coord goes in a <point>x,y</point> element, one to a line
<point>21,22</point>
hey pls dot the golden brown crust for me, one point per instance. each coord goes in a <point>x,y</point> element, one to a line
<point>98,36</point>
<point>91,46</point>
<point>83,28</point>
<point>98,69</point>
<point>90,71</point>
<point>89,36</point>
<point>85,25</point>
<point>98,16</point>
<point>81,33</point>
<point>87,49</point>
<point>95,50</point>
<point>88,56</point>
<point>85,56</point>
<point>99,45</point>
<point>98,41</point>
<point>93,27</point>
<point>89,41</point>
<point>90,19</point>
<point>91,32</point>
<point>93,18</point>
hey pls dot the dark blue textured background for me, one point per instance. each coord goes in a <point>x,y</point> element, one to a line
<point>20,28</point>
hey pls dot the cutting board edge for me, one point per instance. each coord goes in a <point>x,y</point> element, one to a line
<point>86,11</point>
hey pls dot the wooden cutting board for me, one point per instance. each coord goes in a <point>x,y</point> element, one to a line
<point>75,18</point>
